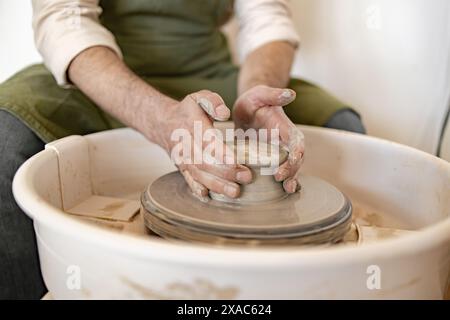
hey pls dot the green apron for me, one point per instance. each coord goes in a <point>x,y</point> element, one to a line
<point>174,45</point>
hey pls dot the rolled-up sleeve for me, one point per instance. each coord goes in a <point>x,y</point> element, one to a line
<point>64,28</point>
<point>263,21</point>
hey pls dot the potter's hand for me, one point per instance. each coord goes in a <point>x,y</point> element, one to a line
<point>107,80</point>
<point>202,107</point>
<point>261,107</point>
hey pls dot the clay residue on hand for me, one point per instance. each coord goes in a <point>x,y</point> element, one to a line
<point>295,145</point>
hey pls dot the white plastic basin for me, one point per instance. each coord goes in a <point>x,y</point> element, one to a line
<point>391,185</point>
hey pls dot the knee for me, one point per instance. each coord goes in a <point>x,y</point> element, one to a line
<point>347,120</point>
<point>19,266</point>
<point>17,144</point>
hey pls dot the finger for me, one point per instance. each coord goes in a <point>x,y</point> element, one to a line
<point>212,104</point>
<point>291,166</point>
<point>224,164</point>
<point>289,174</point>
<point>294,142</point>
<point>208,146</point>
<point>263,96</point>
<point>235,173</point>
<point>214,183</point>
<point>215,153</point>
<point>291,185</point>
<point>197,189</point>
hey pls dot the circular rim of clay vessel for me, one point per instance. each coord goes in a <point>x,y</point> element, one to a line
<point>319,213</point>
<point>257,155</point>
<point>253,159</point>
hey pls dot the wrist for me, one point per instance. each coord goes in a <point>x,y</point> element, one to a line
<point>248,84</point>
<point>154,113</point>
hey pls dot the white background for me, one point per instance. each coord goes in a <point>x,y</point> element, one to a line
<point>388,58</point>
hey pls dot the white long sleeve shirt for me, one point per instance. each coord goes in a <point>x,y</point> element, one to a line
<point>64,28</point>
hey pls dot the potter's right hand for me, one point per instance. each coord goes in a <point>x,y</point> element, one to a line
<point>203,106</point>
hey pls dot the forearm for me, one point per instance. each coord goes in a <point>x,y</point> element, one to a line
<point>102,76</point>
<point>268,65</point>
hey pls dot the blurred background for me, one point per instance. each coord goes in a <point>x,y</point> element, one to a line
<point>389,59</point>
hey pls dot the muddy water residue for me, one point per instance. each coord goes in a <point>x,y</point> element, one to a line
<point>198,289</point>
<point>366,216</point>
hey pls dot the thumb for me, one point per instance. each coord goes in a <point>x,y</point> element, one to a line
<point>267,96</point>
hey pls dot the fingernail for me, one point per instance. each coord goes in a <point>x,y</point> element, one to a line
<point>293,187</point>
<point>231,190</point>
<point>287,96</point>
<point>292,158</point>
<point>289,185</point>
<point>243,176</point>
<point>206,105</point>
<point>222,112</point>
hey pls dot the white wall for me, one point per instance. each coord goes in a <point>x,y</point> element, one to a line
<point>390,59</point>
<point>16,37</point>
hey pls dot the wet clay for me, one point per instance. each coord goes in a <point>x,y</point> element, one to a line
<point>262,159</point>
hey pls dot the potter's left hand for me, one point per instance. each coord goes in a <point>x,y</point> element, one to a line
<point>262,107</point>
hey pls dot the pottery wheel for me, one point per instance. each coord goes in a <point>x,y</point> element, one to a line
<point>319,213</point>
